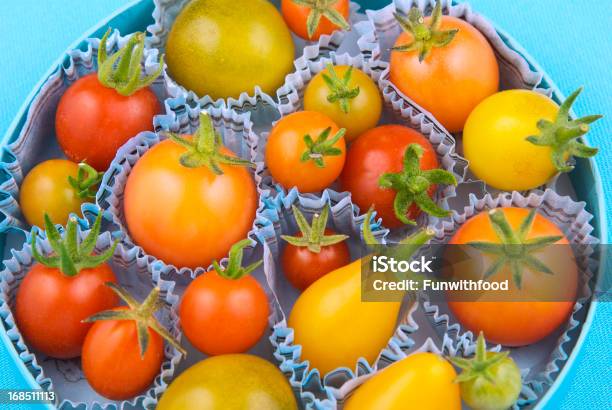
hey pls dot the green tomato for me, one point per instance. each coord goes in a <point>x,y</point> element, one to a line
<point>232,381</point>
<point>222,48</point>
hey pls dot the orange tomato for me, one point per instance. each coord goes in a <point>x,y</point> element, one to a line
<point>296,17</point>
<point>187,216</point>
<point>452,79</point>
<point>287,146</point>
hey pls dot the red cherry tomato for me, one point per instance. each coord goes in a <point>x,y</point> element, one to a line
<point>296,17</point>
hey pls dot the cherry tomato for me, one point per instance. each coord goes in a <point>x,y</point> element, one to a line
<point>56,187</point>
<point>546,299</point>
<point>448,79</point>
<point>225,311</point>
<point>348,96</point>
<point>334,17</point>
<point>381,150</point>
<point>306,150</point>
<point>101,111</point>
<point>185,220</point>
<point>51,304</point>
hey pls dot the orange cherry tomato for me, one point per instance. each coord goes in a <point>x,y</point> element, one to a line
<point>296,17</point>
<point>287,151</point>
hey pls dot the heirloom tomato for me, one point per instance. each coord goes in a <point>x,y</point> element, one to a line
<point>519,139</point>
<point>346,95</point>
<point>124,349</point>
<point>310,19</point>
<point>444,64</point>
<point>420,381</point>
<point>305,150</point>
<point>57,187</point>
<point>56,295</point>
<point>394,169</point>
<point>223,48</point>
<point>225,310</point>
<point>314,251</point>
<point>532,254</point>
<point>101,111</point>
<point>189,199</point>
<point>212,384</point>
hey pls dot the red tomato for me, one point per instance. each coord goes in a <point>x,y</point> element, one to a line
<point>221,316</point>
<point>451,79</point>
<point>378,151</point>
<point>112,362</point>
<point>296,17</point>
<point>302,266</point>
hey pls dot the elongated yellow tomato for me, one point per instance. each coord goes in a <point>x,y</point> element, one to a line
<point>334,327</point>
<point>494,140</point>
<point>423,381</point>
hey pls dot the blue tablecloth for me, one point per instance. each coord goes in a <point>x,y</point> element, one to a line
<point>570,39</point>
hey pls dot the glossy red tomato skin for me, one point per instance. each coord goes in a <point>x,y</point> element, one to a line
<point>222,316</point>
<point>50,306</point>
<point>374,153</point>
<point>93,121</point>
<point>112,362</point>
<point>302,267</point>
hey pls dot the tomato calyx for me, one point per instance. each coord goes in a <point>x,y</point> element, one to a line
<point>562,135</point>
<point>70,255</point>
<point>204,148</point>
<point>412,185</point>
<point>425,37</point>
<point>142,314</point>
<point>322,8</point>
<point>122,71</point>
<point>339,88</point>
<point>234,269</point>
<point>322,147</point>
<point>313,236</point>
<point>514,248</point>
<point>480,365</point>
<point>87,181</point>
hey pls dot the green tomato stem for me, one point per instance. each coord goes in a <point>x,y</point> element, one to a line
<point>317,150</point>
<point>87,181</point>
<point>322,8</point>
<point>340,90</point>
<point>234,269</point>
<point>313,236</point>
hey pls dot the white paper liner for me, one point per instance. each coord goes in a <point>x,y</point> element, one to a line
<point>65,377</point>
<point>165,13</point>
<point>237,135</point>
<point>539,362</point>
<point>36,141</point>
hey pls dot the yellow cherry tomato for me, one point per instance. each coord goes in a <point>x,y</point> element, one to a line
<point>494,140</point>
<point>46,189</point>
<point>355,104</point>
<point>423,381</point>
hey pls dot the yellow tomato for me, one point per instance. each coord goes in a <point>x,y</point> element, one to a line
<point>423,381</point>
<point>494,140</point>
<point>360,113</point>
<point>334,327</point>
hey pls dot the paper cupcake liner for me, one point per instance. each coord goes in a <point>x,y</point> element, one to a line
<point>572,218</point>
<point>237,135</point>
<point>35,142</point>
<point>165,13</point>
<point>65,377</point>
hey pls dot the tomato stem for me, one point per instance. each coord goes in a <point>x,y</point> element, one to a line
<point>425,38</point>
<point>204,148</point>
<point>142,314</point>
<point>562,135</point>
<point>339,88</point>
<point>313,236</point>
<point>87,181</point>
<point>322,8</point>
<point>412,184</point>
<point>234,269</point>
<point>70,257</point>
<point>122,70</point>
<point>480,365</point>
<point>514,248</point>
<point>322,147</point>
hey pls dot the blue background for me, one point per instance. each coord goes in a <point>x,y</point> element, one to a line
<point>570,40</point>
